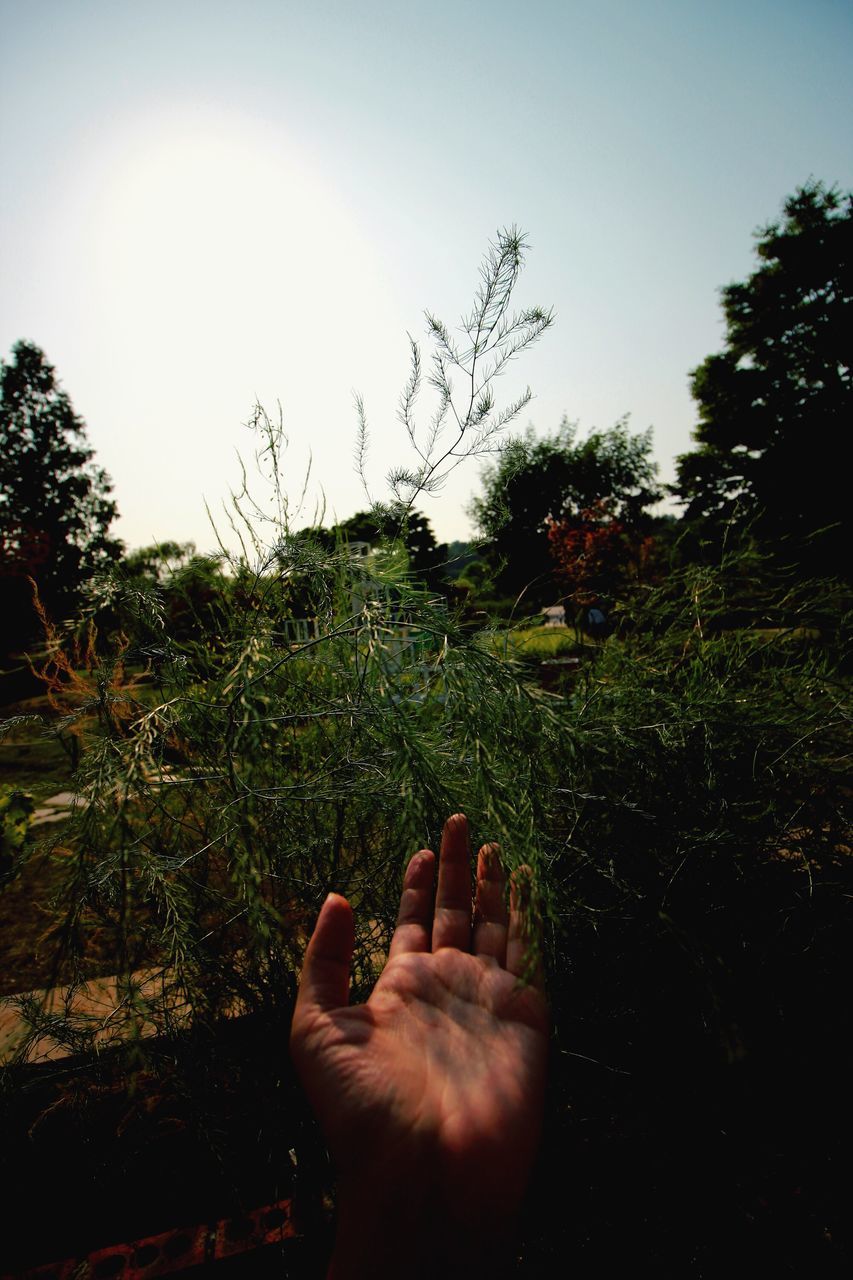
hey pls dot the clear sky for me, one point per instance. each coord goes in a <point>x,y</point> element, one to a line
<point>205,202</point>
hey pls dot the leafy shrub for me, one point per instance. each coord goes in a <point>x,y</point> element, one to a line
<point>701,895</point>
<point>16,811</point>
<point>284,718</point>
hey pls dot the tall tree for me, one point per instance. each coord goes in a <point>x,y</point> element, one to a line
<point>55,504</point>
<point>776,405</point>
<point>558,478</point>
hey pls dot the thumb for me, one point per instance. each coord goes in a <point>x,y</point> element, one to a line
<point>324,984</point>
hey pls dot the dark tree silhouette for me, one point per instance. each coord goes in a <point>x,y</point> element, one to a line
<point>426,556</point>
<point>55,504</point>
<point>776,405</point>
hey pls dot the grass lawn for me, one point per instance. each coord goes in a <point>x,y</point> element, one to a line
<point>539,642</point>
<point>31,757</point>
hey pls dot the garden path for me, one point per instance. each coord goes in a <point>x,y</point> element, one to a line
<point>56,808</point>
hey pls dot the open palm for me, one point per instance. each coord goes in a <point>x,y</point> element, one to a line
<point>439,1077</point>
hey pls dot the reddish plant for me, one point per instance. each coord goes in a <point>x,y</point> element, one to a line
<point>595,554</point>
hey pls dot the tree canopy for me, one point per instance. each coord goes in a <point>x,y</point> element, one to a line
<point>775,405</point>
<point>558,478</point>
<point>413,531</point>
<point>55,504</point>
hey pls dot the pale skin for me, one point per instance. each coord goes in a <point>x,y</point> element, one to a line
<point>430,1095</point>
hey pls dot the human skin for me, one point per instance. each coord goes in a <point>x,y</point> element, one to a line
<point>430,1095</point>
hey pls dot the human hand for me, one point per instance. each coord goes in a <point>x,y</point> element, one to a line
<point>430,1095</point>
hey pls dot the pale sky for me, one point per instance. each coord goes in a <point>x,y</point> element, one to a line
<point>207,203</point>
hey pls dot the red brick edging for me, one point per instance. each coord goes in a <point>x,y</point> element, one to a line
<point>175,1250</point>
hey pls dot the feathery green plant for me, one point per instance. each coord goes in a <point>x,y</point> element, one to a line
<point>315,726</point>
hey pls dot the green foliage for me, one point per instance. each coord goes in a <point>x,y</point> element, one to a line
<point>414,532</point>
<point>158,562</point>
<point>775,405</point>
<point>681,797</point>
<point>306,717</point>
<point>459,556</point>
<point>703,875</point>
<point>536,643</point>
<point>55,508</point>
<point>164,588</point>
<point>467,424</point>
<point>557,478</point>
<point>679,793</point>
<point>719,726</point>
<point>268,770</point>
<point>16,811</point>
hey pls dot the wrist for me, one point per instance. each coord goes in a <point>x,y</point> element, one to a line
<point>408,1226</point>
